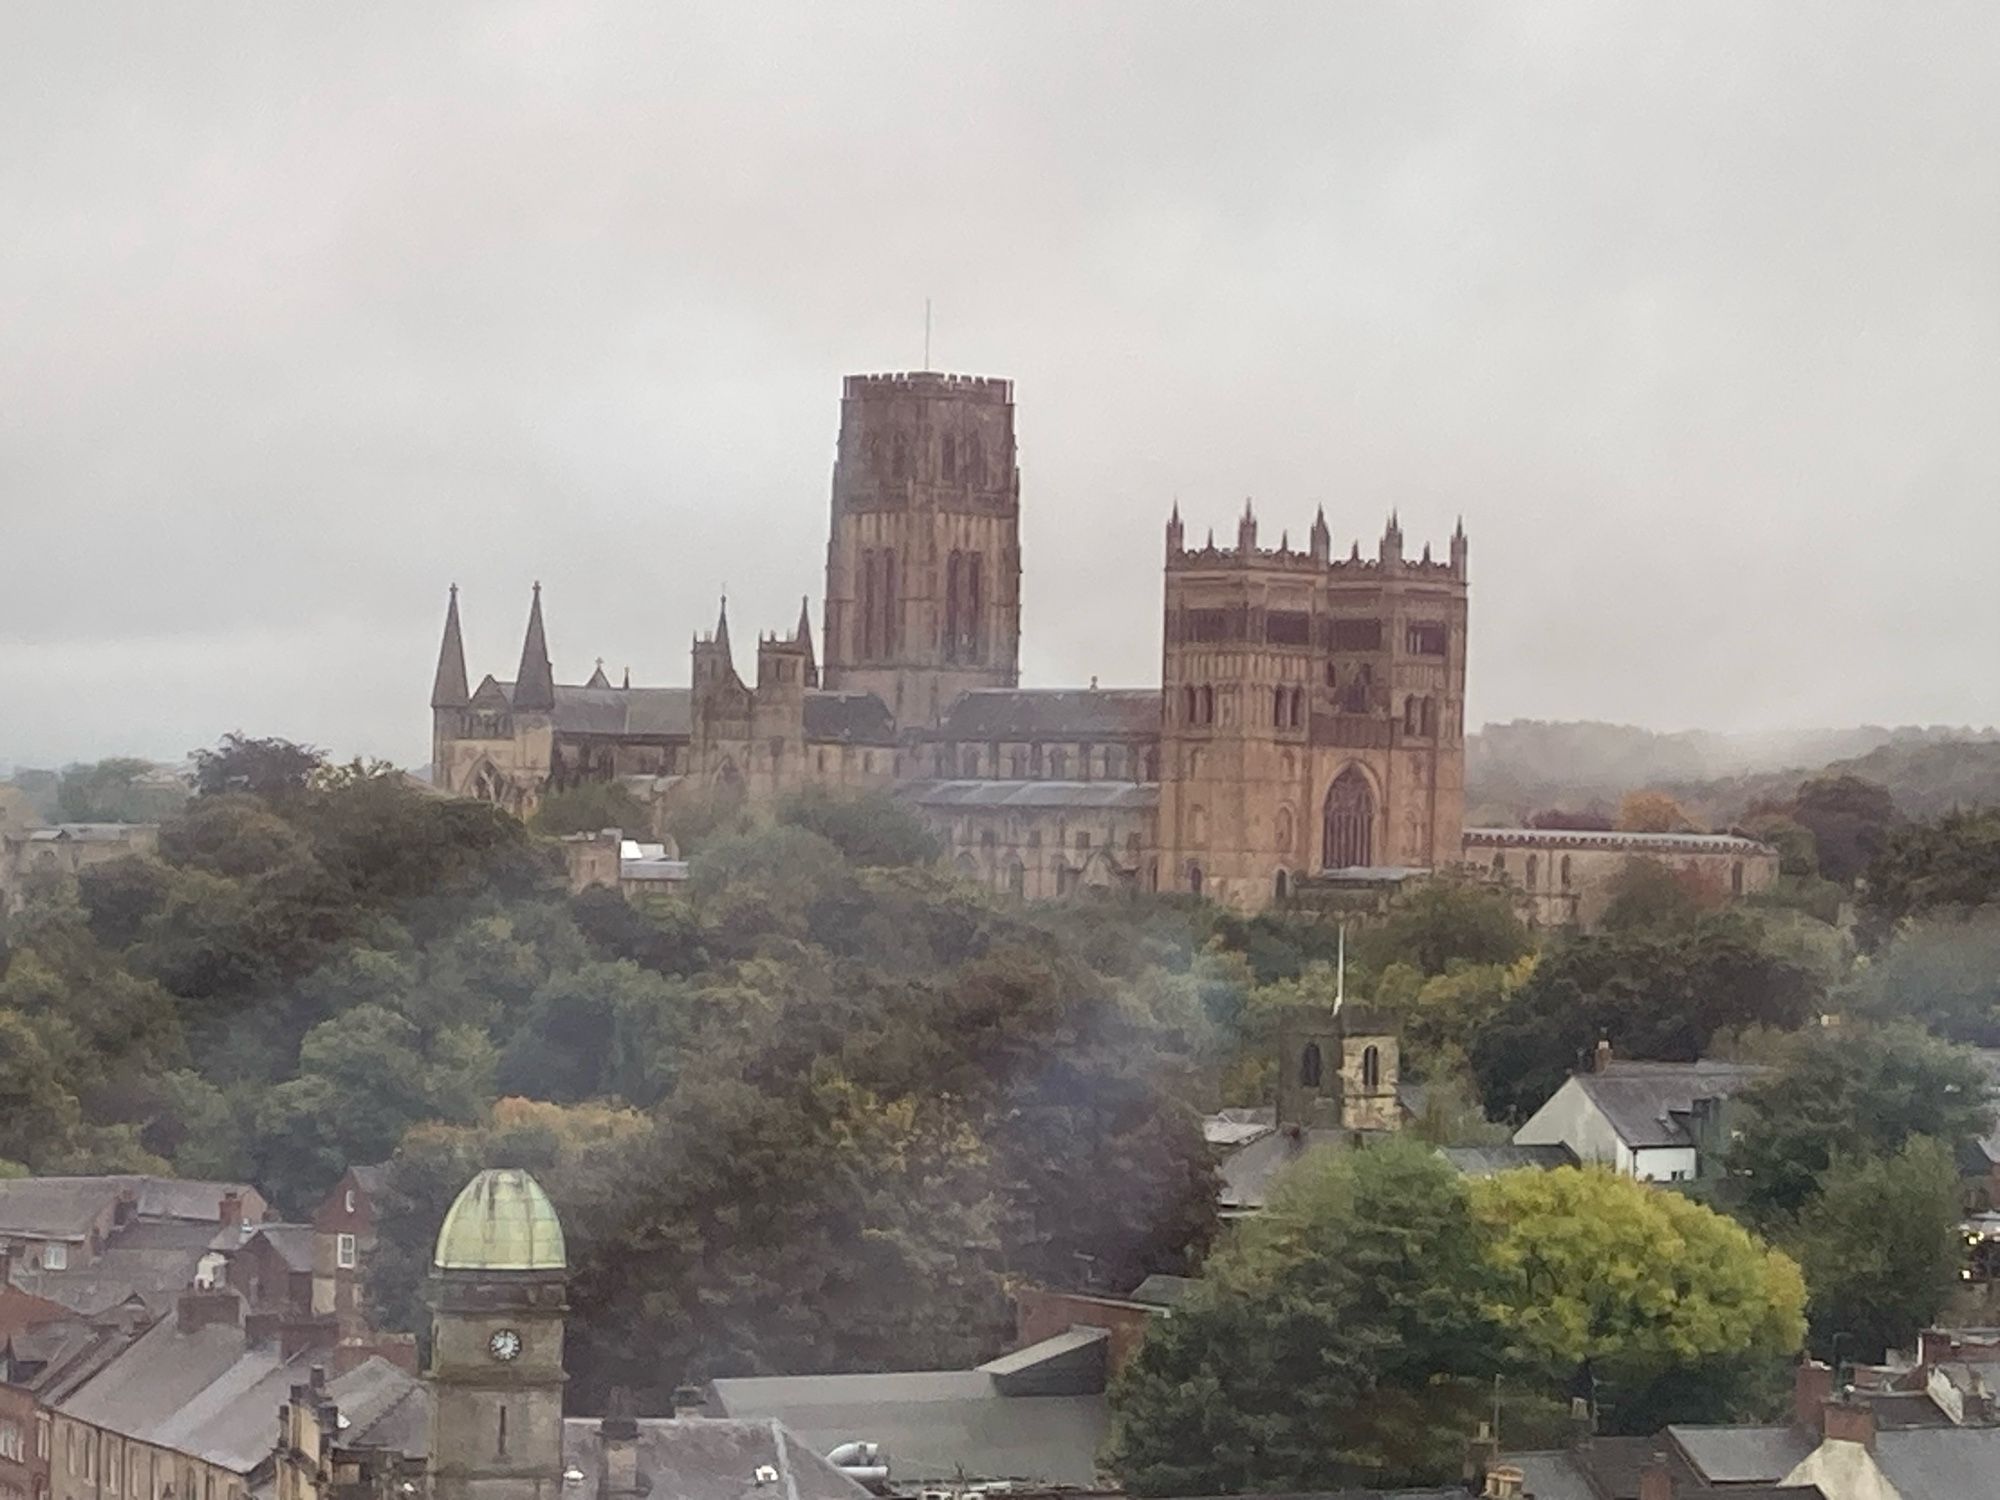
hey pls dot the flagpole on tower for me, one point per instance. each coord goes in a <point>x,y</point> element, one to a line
<point>927,333</point>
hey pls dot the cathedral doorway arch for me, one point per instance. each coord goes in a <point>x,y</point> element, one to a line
<point>1348,838</point>
<point>488,785</point>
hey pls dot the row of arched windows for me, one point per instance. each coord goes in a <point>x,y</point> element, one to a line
<point>1198,705</point>
<point>1420,715</point>
<point>1288,707</point>
<point>1312,1067</point>
<point>959,458</point>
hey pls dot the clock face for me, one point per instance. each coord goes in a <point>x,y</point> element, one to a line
<point>505,1344</point>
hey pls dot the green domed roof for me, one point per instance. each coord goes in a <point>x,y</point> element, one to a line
<point>502,1221</point>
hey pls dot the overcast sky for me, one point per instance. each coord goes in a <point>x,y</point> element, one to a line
<point>306,312</point>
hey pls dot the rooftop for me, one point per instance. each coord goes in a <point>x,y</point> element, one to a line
<point>975,795</point>
<point>707,1458</point>
<point>1052,714</point>
<point>1589,838</point>
<point>1648,1103</point>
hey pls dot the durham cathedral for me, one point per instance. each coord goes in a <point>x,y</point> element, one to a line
<point>1309,724</point>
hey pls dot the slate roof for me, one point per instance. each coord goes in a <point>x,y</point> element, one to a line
<point>638,713</point>
<point>1742,1455</point>
<point>1160,1290</point>
<point>1250,1172</point>
<point>1052,714</point>
<point>987,796</point>
<point>1951,1463</point>
<point>848,719</point>
<point>387,1409</point>
<point>933,1425</point>
<point>66,1207</point>
<point>1648,1103</point>
<point>370,1179</point>
<point>1490,1161</point>
<point>202,1393</point>
<point>293,1242</point>
<point>708,1458</point>
<point>151,1261</point>
<point>20,1311</point>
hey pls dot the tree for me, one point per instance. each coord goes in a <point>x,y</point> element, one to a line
<point>1652,812</point>
<point>1849,819</point>
<point>1798,850</point>
<point>1946,868</point>
<point>869,828</point>
<point>1881,1247</point>
<point>590,808</point>
<point>1942,973</point>
<point>121,790</point>
<point>272,769</point>
<point>1851,1093</point>
<point>1344,1337</point>
<point>1659,995</point>
<point>1611,1277</point>
<point>1445,921</point>
<point>1645,893</point>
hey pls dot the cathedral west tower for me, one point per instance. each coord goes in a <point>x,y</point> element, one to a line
<point>923,566</point>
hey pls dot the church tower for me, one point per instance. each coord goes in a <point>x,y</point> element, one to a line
<point>923,566</point>
<point>496,1371</point>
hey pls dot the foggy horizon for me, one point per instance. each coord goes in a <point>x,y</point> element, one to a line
<point>1691,314</point>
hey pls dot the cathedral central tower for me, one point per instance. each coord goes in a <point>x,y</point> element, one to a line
<point>923,565</point>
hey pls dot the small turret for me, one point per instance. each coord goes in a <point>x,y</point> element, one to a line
<point>713,660</point>
<point>1246,532</point>
<point>1458,549</point>
<point>1392,543</point>
<point>1176,533</point>
<point>1322,538</point>
<point>535,683</point>
<point>597,678</point>
<point>449,689</point>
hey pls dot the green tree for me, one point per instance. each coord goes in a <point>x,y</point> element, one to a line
<point>1849,819</point>
<point>868,828</point>
<point>1645,894</point>
<point>1637,1288</point>
<point>1946,868</point>
<point>272,769</point>
<point>1442,922</point>
<point>1881,1248</point>
<point>1654,994</point>
<point>121,790</point>
<point>1848,1093</point>
<point>591,807</point>
<point>1345,1337</point>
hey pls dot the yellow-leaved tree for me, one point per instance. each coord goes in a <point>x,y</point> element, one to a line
<point>1638,1295</point>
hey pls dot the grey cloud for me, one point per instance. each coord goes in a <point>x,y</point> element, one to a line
<point>1690,311</point>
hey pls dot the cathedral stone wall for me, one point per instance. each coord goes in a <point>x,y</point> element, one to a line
<point>1566,878</point>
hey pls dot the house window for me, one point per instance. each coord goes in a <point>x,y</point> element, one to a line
<point>350,1191</point>
<point>55,1257</point>
<point>343,1251</point>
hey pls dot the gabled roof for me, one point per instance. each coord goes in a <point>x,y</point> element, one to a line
<point>1648,1103</point>
<point>1742,1454</point>
<point>67,1207</point>
<point>292,1242</point>
<point>1490,1161</point>
<point>1249,1173</point>
<point>1052,713</point>
<point>1951,1463</point>
<point>386,1409</point>
<point>634,713</point>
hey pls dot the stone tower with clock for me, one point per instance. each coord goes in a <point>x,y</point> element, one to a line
<point>496,1373</point>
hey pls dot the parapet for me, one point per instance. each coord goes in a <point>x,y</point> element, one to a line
<point>934,383</point>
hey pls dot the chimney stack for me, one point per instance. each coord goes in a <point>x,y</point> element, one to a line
<point>198,1308</point>
<point>1600,1060</point>
<point>1655,1481</point>
<point>1848,1421</point>
<point>1504,1482</point>
<point>231,1212</point>
<point>618,1476</point>
<point>1812,1388</point>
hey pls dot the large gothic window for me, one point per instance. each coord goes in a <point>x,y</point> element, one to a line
<point>1349,840</point>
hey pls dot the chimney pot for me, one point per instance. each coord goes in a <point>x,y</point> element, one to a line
<point>1847,1421</point>
<point>1601,1059</point>
<point>1812,1388</point>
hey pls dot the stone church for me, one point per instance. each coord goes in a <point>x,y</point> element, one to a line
<point>1309,724</point>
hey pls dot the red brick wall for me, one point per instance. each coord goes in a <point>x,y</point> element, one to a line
<point>1040,1314</point>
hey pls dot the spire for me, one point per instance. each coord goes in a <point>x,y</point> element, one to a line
<point>804,637</point>
<point>448,690</point>
<point>1176,533</point>
<point>535,683</point>
<point>1322,539</point>
<point>628,679</point>
<point>1246,530</point>
<point>722,627</point>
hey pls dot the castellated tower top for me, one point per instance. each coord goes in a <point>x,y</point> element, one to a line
<point>930,383</point>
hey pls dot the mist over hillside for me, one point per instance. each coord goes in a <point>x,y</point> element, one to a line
<point>1516,769</point>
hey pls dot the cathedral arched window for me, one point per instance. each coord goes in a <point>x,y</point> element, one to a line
<point>949,452</point>
<point>1312,1066</point>
<point>1534,869</point>
<point>1332,675</point>
<point>1190,705</point>
<point>1058,765</point>
<point>1198,824</point>
<point>1286,829</point>
<point>954,567</point>
<point>1281,887</point>
<point>902,469</point>
<point>1430,717</point>
<point>975,459</point>
<point>892,631</point>
<point>1195,881</point>
<point>1208,705</point>
<point>1736,878</point>
<point>1280,707</point>
<point>1152,764</point>
<point>1410,714</point>
<point>1017,879</point>
<point>1562,872</point>
<point>1298,708</point>
<point>1348,834</point>
<point>1371,1068</point>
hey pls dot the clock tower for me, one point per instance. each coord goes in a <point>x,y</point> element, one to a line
<point>496,1370</point>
